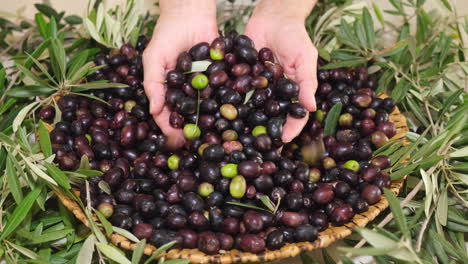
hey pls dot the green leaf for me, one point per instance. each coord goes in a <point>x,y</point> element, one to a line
<point>368,251</point>
<point>160,250</point>
<point>112,253</point>
<point>369,27</point>
<point>30,91</point>
<point>125,233</point>
<point>360,34</point>
<point>44,140</point>
<point>267,202</point>
<point>324,54</point>
<point>248,206</point>
<point>47,10</point>
<point>53,28</point>
<point>138,253</point>
<point>73,20</point>
<point>22,115</point>
<point>20,212</point>
<point>58,175</point>
<point>447,4</point>
<point>50,236</point>
<point>58,59</point>
<point>377,240</point>
<point>177,261</point>
<point>442,208</point>
<point>306,259</point>
<point>105,223</point>
<point>331,120</point>
<point>87,249</point>
<point>31,75</point>
<point>327,259</point>
<point>340,64</point>
<point>449,103</point>
<point>378,14</point>
<point>96,85</point>
<point>90,173</point>
<point>199,66</point>
<point>397,212</point>
<point>36,53</point>
<point>42,25</point>
<point>13,180</point>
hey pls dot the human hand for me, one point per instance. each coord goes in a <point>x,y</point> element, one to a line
<point>287,37</point>
<point>181,25</point>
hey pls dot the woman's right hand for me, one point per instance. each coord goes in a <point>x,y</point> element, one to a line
<point>182,24</point>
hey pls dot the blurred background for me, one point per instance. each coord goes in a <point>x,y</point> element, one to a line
<point>78,7</point>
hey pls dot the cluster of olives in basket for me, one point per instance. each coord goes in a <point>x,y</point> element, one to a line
<point>216,193</point>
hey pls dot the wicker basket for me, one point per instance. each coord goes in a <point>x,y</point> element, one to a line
<point>325,238</point>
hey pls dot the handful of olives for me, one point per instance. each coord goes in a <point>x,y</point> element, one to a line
<point>204,195</point>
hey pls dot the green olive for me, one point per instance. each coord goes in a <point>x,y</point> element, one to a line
<point>238,187</point>
<point>216,54</point>
<point>229,170</point>
<point>228,111</point>
<point>88,137</point>
<point>106,209</point>
<point>352,165</point>
<point>173,162</point>
<point>258,130</point>
<point>314,175</point>
<point>329,163</point>
<point>205,189</point>
<point>319,115</point>
<point>229,135</point>
<point>200,81</point>
<point>128,106</point>
<point>191,131</point>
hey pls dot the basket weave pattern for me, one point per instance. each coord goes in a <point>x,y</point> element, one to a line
<point>325,238</point>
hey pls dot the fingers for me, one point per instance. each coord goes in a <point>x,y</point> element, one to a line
<point>153,82</point>
<point>306,77</point>
<point>293,127</point>
<point>175,136</point>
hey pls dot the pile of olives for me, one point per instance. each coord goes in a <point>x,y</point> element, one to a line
<point>208,194</point>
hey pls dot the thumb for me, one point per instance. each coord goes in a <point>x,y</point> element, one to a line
<point>293,127</point>
<point>154,77</point>
<point>306,77</point>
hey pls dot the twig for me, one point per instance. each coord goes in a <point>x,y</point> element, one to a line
<point>12,83</point>
<point>423,228</point>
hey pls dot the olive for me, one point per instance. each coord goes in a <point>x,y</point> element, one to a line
<point>226,241</point>
<point>241,40</point>
<point>240,69</point>
<point>294,201</point>
<point>205,189</point>
<point>184,62</point>
<point>368,113</point>
<point>371,194</point>
<point>257,118</point>
<point>192,202</point>
<point>175,79</point>
<point>370,173</point>
<point>324,194</point>
<point>345,120</point>
<point>237,187</point>
<point>252,243</point>
<point>143,231</point>
<point>231,97</point>
<point>263,142</point>
<point>216,219</point>
<point>287,89</point>
<point>305,233</point>
<point>106,209</point>
<point>379,139</point>
<point>328,163</point>
<point>176,221</point>
<point>200,81</point>
<point>249,169</point>
<point>275,240</point>
<point>291,219</point>
<point>259,82</point>
<point>360,206</point>
<point>113,176</point>
<point>246,54</point>
<point>388,104</point>
<point>274,127</point>
<point>263,183</point>
<point>191,131</point>
<point>213,152</point>
<point>189,238</point>
<point>388,128</point>
<point>229,170</point>
<point>176,120</point>
<point>253,222</point>
<point>198,221</point>
<point>122,221</point>
<point>342,214</point>
<point>347,136</point>
<point>229,135</point>
<point>383,181</point>
<point>242,84</point>
<point>383,162</point>
<point>200,51</point>
<point>47,113</point>
<point>214,199</point>
<point>187,183</point>
<point>209,173</point>
<point>209,244</point>
<point>161,237</point>
<point>351,165</point>
<point>296,110</point>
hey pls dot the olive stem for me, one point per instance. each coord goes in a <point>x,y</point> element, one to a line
<point>198,107</point>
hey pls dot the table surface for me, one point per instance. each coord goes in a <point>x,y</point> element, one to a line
<point>26,9</point>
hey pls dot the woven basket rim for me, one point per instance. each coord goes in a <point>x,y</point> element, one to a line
<point>325,238</point>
